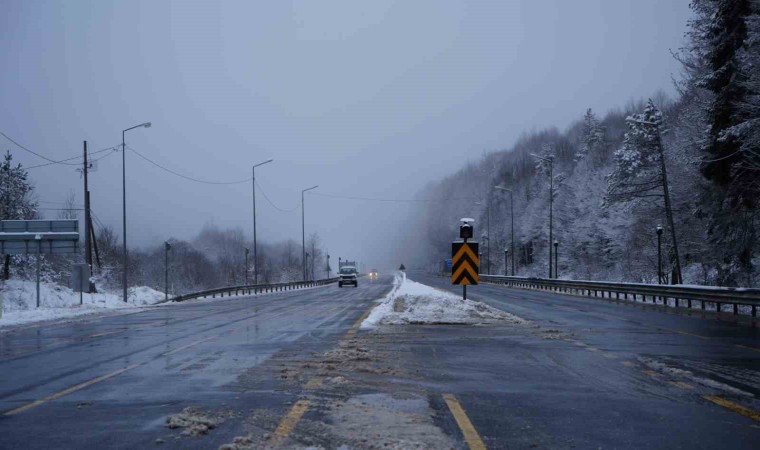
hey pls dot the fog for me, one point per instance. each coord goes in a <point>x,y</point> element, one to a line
<point>368,100</point>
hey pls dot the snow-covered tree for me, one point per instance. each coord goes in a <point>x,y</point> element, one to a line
<point>640,172</point>
<point>16,198</point>
<point>592,139</point>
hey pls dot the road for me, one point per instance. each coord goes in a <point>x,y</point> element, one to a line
<point>292,369</point>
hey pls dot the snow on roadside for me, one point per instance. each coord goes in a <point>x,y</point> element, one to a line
<point>410,302</point>
<point>19,302</point>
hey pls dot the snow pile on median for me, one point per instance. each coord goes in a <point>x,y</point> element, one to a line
<point>19,301</point>
<point>410,302</point>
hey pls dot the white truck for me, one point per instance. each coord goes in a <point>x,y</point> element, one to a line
<point>348,275</point>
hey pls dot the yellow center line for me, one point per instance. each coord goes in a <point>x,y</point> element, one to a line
<point>289,422</point>
<point>739,409</point>
<point>70,390</point>
<point>627,363</point>
<point>88,383</point>
<point>682,385</point>
<point>686,333</point>
<point>192,344</point>
<point>471,436</point>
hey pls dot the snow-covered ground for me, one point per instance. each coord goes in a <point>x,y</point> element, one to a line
<point>410,302</point>
<point>19,302</point>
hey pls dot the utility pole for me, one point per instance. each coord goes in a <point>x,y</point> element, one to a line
<point>87,233</point>
<point>303,231</point>
<point>328,266</point>
<point>255,253</point>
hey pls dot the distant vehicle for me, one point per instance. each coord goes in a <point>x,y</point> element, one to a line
<point>373,273</point>
<point>348,275</point>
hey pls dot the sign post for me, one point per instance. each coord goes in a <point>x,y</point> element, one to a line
<point>464,259</point>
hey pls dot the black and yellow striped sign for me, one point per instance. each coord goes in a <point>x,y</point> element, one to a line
<point>464,263</point>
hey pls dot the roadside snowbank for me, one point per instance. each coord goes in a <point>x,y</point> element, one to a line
<point>19,301</point>
<point>410,302</point>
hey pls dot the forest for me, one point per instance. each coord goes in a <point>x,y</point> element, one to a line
<point>687,166</point>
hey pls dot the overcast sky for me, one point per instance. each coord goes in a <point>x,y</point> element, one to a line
<point>363,98</point>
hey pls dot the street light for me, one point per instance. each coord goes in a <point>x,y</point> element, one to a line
<point>506,261</point>
<point>255,254</point>
<point>488,231</point>
<point>512,215</point>
<point>124,202</point>
<point>659,254</point>
<point>550,160</point>
<point>303,231</point>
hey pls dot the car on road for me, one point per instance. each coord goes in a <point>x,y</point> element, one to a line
<point>373,273</point>
<point>348,275</point>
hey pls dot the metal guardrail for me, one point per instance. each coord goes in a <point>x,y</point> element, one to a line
<point>252,289</point>
<point>681,296</point>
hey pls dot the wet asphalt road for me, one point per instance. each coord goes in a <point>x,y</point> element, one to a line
<point>175,356</point>
<point>582,374</point>
<point>594,374</point>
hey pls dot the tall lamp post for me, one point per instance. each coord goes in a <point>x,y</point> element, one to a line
<point>255,254</point>
<point>512,219</point>
<point>488,232</point>
<point>550,160</point>
<point>506,261</point>
<point>303,231</point>
<point>659,254</point>
<point>328,266</point>
<point>124,203</point>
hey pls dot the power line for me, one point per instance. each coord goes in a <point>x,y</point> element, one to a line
<point>388,200</point>
<point>74,157</point>
<point>185,176</point>
<point>52,161</point>
<point>272,203</point>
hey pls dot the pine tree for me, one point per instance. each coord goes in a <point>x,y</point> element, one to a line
<point>728,53</point>
<point>16,202</point>
<point>593,137</point>
<point>640,171</point>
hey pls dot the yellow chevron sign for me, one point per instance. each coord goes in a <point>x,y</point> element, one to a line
<point>464,263</point>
